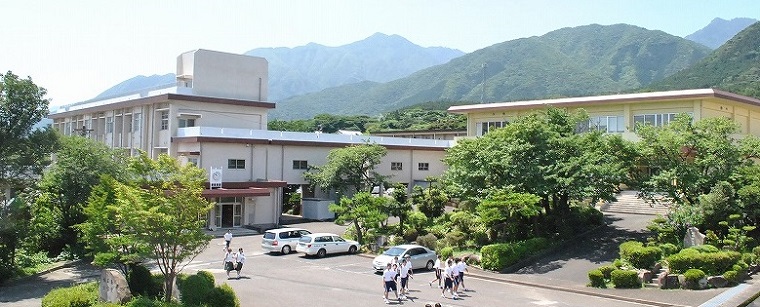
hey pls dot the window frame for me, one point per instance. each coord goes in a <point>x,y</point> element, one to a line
<point>236,164</point>
<point>397,166</point>
<point>300,164</point>
<point>423,166</point>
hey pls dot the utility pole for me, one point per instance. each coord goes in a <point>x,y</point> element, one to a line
<point>483,85</point>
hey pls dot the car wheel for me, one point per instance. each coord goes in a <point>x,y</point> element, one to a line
<point>429,265</point>
<point>352,249</point>
<point>286,249</point>
<point>321,253</point>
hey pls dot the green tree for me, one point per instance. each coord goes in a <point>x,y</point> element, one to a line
<point>65,188</point>
<point>164,210</point>
<point>363,211</point>
<point>350,168</point>
<point>399,206</point>
<point>508,214</point>
<point>431,201</point>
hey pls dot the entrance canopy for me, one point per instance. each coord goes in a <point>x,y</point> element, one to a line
<point>247,192</point>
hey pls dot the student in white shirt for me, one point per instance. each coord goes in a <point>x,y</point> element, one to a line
<point>389,282</point>
<point>448,280</point>
<point>404,273</point>
<point>228,238</point>
<point>462,268</point>
<point>410,271</point>
<point>455,276</point>
<point>437,268</point>
<point>229,261</point>
<point>240,261</point>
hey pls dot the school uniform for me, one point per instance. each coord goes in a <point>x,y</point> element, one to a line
<point>404,274</point>
<point>389,277</point>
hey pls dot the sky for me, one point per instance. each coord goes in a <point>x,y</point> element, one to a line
<point>78,49</point>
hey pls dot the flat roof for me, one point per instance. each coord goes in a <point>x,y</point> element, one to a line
<point>606,99</point>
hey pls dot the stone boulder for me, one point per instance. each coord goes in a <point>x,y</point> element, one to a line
<point>666,281</point>
<point>113,287</point>
<point>645,276</point>
<point>717,281</point>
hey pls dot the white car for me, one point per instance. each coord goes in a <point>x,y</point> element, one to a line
<point>283,240</point>
<point>321,244</point>
<point>421,257</point>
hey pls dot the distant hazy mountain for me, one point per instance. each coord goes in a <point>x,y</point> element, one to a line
<point>733,67</point>
<point>378,58</point>
<point>578,61</point>
<point>311,68</point>
<point>137,83</point>
<point>719,31</point>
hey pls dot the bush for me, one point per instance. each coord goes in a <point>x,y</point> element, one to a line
<point>749,258</point>
<point>710,263</point>
<point>83,295</point>
<point>618,263</point>
<point>607,270</point>
<point>146,302</point>
<point>410,235</point>
<point>7,271</point>
<point>596,278</point>
<point>638,256</point>
<point>705,248</point>
<point>693,276</point>
<point>625,279</point>
<point>455,238</point>
<point>428,240</point>
<point>143,283</point>
<point>626,248</point>
<point>502,255</point>
<point>223,296</point>
<point>446,252</point>
<point>196,289</point>
<point>668,249</point>
<point>732,277</point>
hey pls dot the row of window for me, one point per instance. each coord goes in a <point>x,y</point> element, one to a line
<point>304,165</point>
<point>607,124</point>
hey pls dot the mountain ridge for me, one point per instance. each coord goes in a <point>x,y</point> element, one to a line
<point>719,31</point>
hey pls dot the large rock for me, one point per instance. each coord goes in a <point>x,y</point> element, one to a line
<point>113,287</point>
<point>666,281</point>
<point>645,276</point>
<point>717,281</point>
<point>693,237</point>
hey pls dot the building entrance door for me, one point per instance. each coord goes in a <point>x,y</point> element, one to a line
<point>227,213</point>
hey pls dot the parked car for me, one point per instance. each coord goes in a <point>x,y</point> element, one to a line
<point>282,240</point>
<point>321,244</point>
<point>421,257</point>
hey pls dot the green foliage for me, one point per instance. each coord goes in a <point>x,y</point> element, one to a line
<point>147,302</point>
<point>705,248</point>
<point>638,256</point>
<point>693,276</point>
<point>446,252</point>
<point>431,201</point>
<point>429,240</point>
<point>349,168</point>
<point>668,249</point>
<point>410,235</point>
<point>455,238</point>
<point>600,59</point>
<point>625,279</point>
<point>83,295</point>
<point>596,279</point>
<point>711,263</point>
<point>732,277</point>
<point>499,256</point>
<point>607,270</point>
<point>143,283</point>
<point>362,211</point>
<point>223,296</point>
<point>196,289</point>
<point>508,213</point>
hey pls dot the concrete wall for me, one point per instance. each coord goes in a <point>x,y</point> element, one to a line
<point>220,74</point>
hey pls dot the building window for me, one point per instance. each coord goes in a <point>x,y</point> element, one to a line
<point>481,128</point>
<point>235,164</point>
<point>164,120</point>
<point>396,166</point>
<point>424,166</point>
<point>657,120</point>
<point>136,122</point>
<point>606,124</point>
<point>300,164</point>
<point>186,122</point>
<point>109,124</point>
<point>193,160</point>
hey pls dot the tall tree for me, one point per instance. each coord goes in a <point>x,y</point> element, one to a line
<point>65,188</point>
<point>164,210</point>
<point>363,211</point>
<point>349,169</point>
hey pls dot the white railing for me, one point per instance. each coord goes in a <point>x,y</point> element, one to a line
<point>237,133</point>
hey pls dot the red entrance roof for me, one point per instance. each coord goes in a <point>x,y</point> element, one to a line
<point>235,192</point>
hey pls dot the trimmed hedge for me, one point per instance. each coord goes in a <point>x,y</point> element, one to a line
<point>83,295</point>
<point>596,278</point>
<point>143,283</point>
<point>607,270</point>
<point>638,256</point>
<point>732,277</point>
<point>147,302</point>
<point>625,279</point>
<point>668,249</point>
<point>710,263</point>
<point>705,248</point>
<point>693,276</point>
<point>196,289</point>
<point>223,296</point>
<point>499,256</point>
<point>446,252</point>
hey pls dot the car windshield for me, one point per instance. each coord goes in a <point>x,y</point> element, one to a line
<point>305,239</point>
<point>268,235</point>
<point>394,251</point>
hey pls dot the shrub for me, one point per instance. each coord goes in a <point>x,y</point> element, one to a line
<point>749,258</point>
<point>446,252</point>
<point>502,255</point>
<point>7,271</point>
<point>428,240</point>
<point>618,263</point>
<point>644,257</point>
<point>596,278</point>
<point>83,295</point>
<point>146,302</point>
<point>410,235</point>
<point>710,263</point>
<point>668,249</point>
<point>693,276</point>
<point>732,277</point>
<point>626,248</point>
<point>196,289</point>
<point>607,270</point>
<point>455,238</point>
<point>706,248</point>
<point>143,283</point>
<point>223,296</point>
<point>625,279</point>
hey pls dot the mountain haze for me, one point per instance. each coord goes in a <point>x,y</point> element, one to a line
<point>137,83</point>
<point>719,31</point>
<point>734,67</point>
<point>585,60</point>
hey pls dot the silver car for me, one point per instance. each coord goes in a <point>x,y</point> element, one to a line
<point>283,240</point>
<point>421,257</point>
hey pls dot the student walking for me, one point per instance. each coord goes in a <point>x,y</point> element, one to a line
<point>448,280</point>
<point>228,239</point>
<point>455,277</point>
<point>437,268</point>
<point>229,260</point>
<point>462,269</point>
<point>404,273</point>
<point>389,282</point>
<point>408,266</point>
<point>240,261</point>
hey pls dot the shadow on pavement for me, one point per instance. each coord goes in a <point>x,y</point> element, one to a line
<point>35,287</point>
